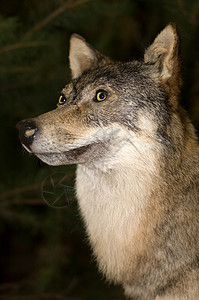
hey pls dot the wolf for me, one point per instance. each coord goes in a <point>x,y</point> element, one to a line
<point>137,157</point>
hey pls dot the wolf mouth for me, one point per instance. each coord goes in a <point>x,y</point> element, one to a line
<point>81,154</point>
<point>76,152</point>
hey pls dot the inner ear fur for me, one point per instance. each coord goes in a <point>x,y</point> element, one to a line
<point>84,57</point>
<point>164,55</point>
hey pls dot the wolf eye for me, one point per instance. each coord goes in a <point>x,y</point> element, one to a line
<point>62,99</point>
<point>101,95</point>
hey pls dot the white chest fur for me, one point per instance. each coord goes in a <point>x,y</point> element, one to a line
<point>112,204</point>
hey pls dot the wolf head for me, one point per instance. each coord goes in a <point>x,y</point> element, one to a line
<point>107,104</point>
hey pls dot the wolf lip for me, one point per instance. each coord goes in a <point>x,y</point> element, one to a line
<point>77,151</point>
<point>73,156</point>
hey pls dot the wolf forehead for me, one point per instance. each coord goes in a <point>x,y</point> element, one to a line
<point>130,79</point>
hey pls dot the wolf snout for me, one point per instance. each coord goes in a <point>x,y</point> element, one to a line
<point>27,132</point>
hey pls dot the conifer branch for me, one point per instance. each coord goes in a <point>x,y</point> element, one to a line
<point>16,69</point>
<point>26,83</point>
<point>26,45</point>
<point>192,18</point>
<point>182,7</point>
<point>20,190</point>
<point>66,5</point>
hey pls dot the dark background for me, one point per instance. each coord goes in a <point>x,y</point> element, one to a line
<point>43,248</point>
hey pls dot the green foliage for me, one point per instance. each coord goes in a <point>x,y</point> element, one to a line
<point>43,253</point>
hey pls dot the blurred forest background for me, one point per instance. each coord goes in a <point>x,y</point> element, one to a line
<point>43,249</point>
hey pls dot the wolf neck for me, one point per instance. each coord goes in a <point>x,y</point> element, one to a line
<point>114,204</point>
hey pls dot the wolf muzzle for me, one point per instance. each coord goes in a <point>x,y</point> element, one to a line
<point>27,132</point>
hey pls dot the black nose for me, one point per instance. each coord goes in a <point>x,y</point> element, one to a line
<point>27,132</point>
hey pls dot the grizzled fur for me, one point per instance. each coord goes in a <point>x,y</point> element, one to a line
<point>138,166</point>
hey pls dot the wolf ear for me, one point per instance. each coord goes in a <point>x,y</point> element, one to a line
<point>164,55</point>
<point>83,57</point>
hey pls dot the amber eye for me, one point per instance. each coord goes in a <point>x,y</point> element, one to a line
<point>101,95</point>
<point>62,99</point>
